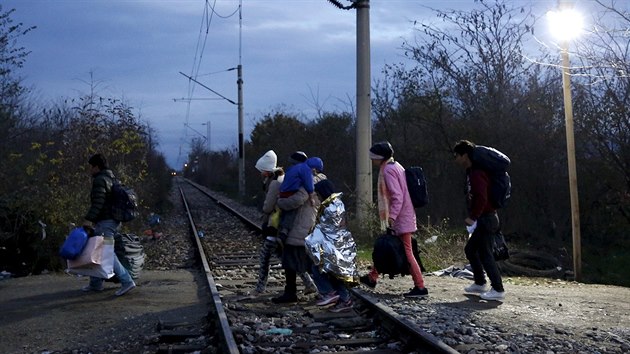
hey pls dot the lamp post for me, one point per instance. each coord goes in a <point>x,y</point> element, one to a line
<point>566,24</point>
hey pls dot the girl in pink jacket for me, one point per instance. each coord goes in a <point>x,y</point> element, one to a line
<point>395,212</point>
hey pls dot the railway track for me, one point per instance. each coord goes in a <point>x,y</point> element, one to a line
<point>242,323</point>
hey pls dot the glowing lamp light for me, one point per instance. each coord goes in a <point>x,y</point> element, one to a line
<point>565,24</point>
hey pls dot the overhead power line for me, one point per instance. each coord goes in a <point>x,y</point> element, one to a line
<point>208,88</point>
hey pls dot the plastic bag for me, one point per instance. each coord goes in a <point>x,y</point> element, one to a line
<point>96,260</point>
<point>74,243</point>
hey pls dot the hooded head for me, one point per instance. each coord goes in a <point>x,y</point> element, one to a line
<point>381,151</point>
<point>297,157</point>
<point>316,163</point>
<point>324,188</point>
<point>267,162</point>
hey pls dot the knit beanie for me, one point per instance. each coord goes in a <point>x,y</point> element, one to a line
<point>267,162</point>
<point>381,151</point>
<point>316,163</point>
<point>297,157</point>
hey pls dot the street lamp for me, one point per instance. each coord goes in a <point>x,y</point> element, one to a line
<point>566,24</point>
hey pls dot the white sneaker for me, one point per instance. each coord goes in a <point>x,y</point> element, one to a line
<point>493,295</point>
<point>476,288</point>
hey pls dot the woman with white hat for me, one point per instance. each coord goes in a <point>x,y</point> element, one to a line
<point>272,178</point>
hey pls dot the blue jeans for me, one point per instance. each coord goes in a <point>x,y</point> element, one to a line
<point>327,283</point>
<point>108,228</point>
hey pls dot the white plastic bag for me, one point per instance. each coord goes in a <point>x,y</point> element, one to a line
<point>471,228</point>
<point>96,260</point>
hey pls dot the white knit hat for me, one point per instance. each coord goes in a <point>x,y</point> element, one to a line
<point>267,162</point>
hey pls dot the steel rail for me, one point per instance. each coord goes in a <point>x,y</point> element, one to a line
<point>410,334</point>
<point>405,330</point>
<point>229,343</point>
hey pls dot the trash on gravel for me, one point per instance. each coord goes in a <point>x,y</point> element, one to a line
<point>281,331</point>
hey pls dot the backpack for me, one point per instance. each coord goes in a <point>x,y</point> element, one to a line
<point>417,186</point>
<point>130,253</point>
<point>500,249</point>
<point>495,163</point>
<point>124,202</point>
<point>389,256</point>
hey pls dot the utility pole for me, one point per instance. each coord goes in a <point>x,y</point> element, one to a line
<point>364,109</point>
<point>239,82</point>
<point>566,25</point>
<point>571,161</point>
<point>241,142</point>
<point>208,131</point>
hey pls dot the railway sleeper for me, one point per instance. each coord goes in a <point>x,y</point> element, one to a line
<point>180,348</point>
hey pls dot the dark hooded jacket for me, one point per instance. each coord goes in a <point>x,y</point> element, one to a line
<point>101,197</point>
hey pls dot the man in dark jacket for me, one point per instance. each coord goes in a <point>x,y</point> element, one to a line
<point>482,223</point>
<point>99,217</point>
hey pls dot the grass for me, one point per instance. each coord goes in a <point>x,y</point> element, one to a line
<point>440,247</point>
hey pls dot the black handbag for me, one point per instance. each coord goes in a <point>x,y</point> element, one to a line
<point>499,247</point>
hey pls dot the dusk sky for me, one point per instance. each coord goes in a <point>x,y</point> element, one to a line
<point>294,54</point>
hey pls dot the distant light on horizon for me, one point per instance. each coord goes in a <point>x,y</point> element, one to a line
<point>566,24</point>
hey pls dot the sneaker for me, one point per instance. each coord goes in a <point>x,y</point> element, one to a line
<point>476,288</point>
<point>493,295</point>
<point>342,306</point>
<point>285,299</point>
<point>416,292</point>
<point>328,299</point>
<point>90,288</point>
<point>365,280</point>
<point>125,289</point>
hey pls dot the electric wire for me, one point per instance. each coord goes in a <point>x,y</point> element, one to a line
<point>207,17</point>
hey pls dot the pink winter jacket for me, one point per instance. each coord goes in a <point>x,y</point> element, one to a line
<point>400,206</point>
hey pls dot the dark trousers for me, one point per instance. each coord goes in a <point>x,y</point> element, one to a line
<point>290,287</point>
<point>479,251</point>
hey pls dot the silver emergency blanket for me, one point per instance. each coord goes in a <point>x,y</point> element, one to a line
<point>330,245</point>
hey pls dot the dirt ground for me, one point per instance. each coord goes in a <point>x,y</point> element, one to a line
<point>532,302</point>
<point>49,313</point>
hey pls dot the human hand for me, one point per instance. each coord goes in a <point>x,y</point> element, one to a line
<point>88,226</point>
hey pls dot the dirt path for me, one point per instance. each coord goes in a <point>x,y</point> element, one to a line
<point>49,313</point>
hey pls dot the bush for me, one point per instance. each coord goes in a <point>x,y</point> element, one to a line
<point>441,247</point>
